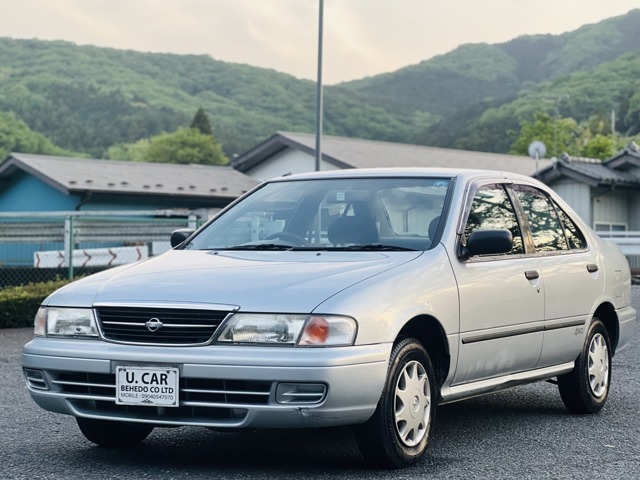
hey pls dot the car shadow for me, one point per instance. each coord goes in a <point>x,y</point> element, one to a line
<point>459,429</point>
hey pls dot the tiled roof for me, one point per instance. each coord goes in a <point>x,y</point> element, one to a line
<point>588,170</point>
<point>358,153</point>
<point>112,176</point>
<point>629,156</point>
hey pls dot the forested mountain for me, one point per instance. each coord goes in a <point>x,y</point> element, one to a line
<point>472,76</point>
<point>16,136</point>
<point>585,96</point>
<point>86,99</point>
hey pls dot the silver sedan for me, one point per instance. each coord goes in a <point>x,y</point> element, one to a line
<point>358,297</point>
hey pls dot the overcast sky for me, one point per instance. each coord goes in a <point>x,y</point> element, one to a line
<point>361,37</point>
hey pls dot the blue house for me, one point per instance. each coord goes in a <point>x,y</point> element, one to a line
<point>57,211</point>
<point>37,183</point>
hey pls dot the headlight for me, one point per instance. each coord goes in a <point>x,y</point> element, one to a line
<point>65,322</point>
<point>283,329</point>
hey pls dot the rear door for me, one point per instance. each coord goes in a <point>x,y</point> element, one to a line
<point>570,272</point>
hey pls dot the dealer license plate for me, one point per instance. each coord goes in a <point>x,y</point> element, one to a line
<point>147,386</point>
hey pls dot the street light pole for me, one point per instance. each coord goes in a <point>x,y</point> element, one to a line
<point>319,89</point>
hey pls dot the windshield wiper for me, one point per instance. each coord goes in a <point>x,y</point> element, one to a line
<point>260,246</point>
<point>374,247</point>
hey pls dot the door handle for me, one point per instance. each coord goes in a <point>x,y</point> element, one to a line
<point>531,274</point>
<point>592,268</point>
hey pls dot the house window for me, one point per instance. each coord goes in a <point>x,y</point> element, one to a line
<point>609,227</point>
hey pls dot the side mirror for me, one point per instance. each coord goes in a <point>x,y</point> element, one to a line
<point>180,235</point>
<point>489,242</point>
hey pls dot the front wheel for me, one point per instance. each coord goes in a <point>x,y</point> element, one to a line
<point>113,434</point>
<point>398,432</point>
<point>585,389</point>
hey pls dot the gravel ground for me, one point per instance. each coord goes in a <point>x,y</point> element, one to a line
<point>523,433</point>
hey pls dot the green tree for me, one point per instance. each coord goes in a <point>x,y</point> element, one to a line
<point>599,146</point>
<point>201,122</point>
<point>16,136</point>
<point>134,152</point>
<point>559,134</point>
<point>599,123</point>
<point>185,145</point>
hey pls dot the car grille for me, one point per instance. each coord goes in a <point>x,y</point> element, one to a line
<point>203,392</point>
<point>202,401</point>
<point>178,326</point>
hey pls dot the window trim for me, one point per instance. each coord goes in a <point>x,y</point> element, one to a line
<point>525,228</point>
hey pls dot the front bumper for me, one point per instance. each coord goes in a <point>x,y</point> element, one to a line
<point>220,386</point>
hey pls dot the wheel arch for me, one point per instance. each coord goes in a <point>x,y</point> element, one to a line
<point>429,332</point>
<point>607,313</point>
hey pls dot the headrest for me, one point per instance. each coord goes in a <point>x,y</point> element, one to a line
<point>357,229</point>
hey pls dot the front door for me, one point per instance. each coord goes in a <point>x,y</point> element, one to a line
<point>501,297</point>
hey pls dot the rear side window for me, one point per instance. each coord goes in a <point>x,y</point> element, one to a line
<point>574,235</point>
<point>546,228</point>
<point>492,210</point>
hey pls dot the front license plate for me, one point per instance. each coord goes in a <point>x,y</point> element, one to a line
<point>147,386</point>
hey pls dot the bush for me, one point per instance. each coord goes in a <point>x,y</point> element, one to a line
<point>18,305</point>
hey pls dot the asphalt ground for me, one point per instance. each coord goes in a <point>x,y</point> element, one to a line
<point>523,433</point>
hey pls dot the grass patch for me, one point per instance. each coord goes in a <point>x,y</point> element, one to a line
<point>18,305</point>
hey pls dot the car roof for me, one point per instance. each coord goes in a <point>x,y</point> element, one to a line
<point>458,173</point>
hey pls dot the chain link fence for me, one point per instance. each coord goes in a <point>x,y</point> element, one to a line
<point>38,247</point>
<point>43,246</point>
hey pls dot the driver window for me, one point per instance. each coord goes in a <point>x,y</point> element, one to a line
<point>492,209</point>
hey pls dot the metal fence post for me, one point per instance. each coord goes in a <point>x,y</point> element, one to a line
<point>67,241</point>
<point>68,245</point>
<point>192,222</point>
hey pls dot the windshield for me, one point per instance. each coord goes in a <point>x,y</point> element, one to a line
<point>331,214</point>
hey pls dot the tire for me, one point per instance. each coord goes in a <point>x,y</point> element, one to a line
<point>586,388</point>
<point>113,434</point>
<point>398,432</point>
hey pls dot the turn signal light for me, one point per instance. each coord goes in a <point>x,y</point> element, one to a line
<point>317,330</point>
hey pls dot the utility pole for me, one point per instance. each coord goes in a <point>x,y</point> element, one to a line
<point>319,89</point>
<point>613,123</point>
<point>555,133</point>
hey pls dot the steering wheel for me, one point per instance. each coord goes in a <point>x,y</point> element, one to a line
<point>287,237</point>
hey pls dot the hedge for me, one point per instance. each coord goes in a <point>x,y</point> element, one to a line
<point>18,305</point>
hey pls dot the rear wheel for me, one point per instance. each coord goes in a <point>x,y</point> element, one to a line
<point>398,432</point>
<point>113,434</point>
<point>586,388</point>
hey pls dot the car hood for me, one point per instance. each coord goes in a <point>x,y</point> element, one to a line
<point>291,281</point>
